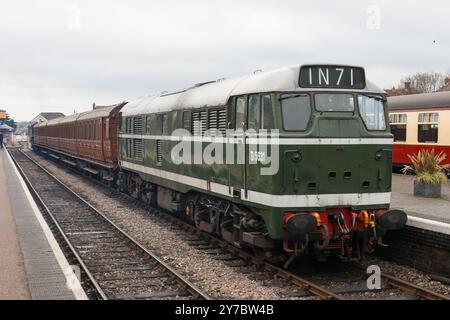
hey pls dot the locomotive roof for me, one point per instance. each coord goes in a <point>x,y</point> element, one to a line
<point>99,112</point>
<point>420,101</point>
<point>217,93</point>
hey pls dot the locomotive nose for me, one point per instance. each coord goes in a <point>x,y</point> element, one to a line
<point>392,219</point>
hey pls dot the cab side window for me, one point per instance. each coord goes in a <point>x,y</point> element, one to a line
<point>267,112</point>
<point>240,113</point>
<point>254,112</point>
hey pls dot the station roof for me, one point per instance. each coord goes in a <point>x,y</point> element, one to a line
<point>5,127</point>
<point>217,93</point>
<point>420,101</point>
<point>52,115</point>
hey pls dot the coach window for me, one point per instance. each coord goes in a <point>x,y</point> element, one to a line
<point>267,112</point>
<point>240,113</point>
<point>428,127</point>
<point>398,126</point>
<point>296,110</point>
<point>371,109</point>
<point>254,112</point>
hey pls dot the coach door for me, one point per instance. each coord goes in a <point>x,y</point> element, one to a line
<point>237,170</point>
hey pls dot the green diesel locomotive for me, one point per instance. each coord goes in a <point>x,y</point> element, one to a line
<point>288,161</point>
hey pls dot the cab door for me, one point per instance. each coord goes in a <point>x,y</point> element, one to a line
<point>237,140</point>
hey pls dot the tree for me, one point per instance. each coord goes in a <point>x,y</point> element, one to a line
<point>426,82</point>
<point>10,122</point>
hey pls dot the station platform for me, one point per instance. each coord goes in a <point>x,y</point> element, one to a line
<point>425,213</point>
<point>32,265</point>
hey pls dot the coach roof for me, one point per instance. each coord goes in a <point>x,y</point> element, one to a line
<point>99,112</point>
<point>217,93</point>
<point>420,101</point>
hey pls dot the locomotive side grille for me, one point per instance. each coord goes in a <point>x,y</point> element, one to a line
<point>213,122</point>
<point>203,121</point>
<point>138,152</point>
<point>138,127</point>
<point>158,151</point>
<point>222,121</point>
<point>129,125</point>
<point>129,147</point>
<point>196,128</point>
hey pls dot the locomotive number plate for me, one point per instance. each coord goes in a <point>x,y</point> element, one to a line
<point>338,77</point>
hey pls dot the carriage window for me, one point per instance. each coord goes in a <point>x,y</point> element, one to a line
<point>399,132</point>
<point>398,126</point>
<point>428,127</point>
<point>372,112</point>
<point>254,112</point>
<point>296,110</point>
<point>267,115</point>
<point>335,102</point>
<point>240,112</point>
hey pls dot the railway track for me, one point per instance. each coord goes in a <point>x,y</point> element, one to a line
<point>297,284</point>
<point>343,284</point>
<point>117,266</point>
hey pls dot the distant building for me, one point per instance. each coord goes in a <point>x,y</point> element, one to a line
<point>407,89</point>
<point>45,116</point>
<point>42,117</point>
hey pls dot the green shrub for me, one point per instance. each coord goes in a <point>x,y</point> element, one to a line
<point>428,167</point>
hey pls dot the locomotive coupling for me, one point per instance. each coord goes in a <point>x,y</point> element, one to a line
<point>299,224</point>
<point>391,219</point>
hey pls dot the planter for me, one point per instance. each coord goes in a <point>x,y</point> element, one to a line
<point>427,190</point>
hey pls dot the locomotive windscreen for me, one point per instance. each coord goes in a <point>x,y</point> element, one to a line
<point>337,77</point>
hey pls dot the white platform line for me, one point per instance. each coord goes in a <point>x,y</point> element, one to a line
<point>75,286</point>
<point>427,224</point>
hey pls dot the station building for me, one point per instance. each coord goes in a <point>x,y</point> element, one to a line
<point>8,135</point>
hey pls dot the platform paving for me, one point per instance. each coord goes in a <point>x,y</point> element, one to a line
<point>31,264</point>
<point>427,208</point>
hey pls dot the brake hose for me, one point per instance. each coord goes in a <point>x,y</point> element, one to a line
<point>326,241</point>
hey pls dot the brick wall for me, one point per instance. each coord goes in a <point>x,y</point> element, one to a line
<point>421,249</point>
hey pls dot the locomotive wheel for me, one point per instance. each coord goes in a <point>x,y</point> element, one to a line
<point>200,214</point>
<point>189,211</point>
<point>225,232</point>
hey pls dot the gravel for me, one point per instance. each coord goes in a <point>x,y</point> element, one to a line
<point>409,274</point>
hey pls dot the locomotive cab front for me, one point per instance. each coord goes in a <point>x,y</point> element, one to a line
<point>333,185</point>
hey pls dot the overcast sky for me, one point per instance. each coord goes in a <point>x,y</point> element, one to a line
<point>58,55</point>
